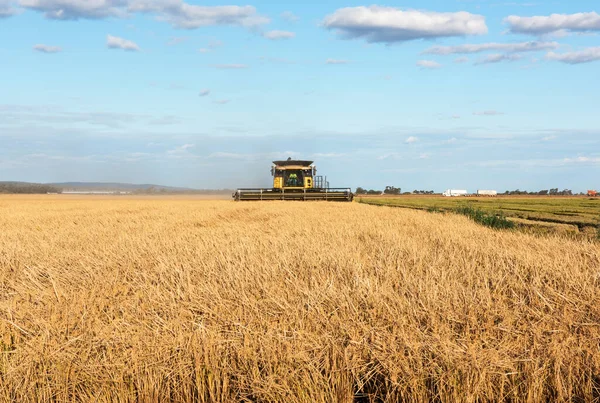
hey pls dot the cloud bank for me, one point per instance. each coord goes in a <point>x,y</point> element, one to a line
<point>428,64</point>
<point>543,25</point>
<point>76,9</point>
<point>114,42</point>
<point>230,66</point>
<point>336,61</point>
<point>187,16</point>
<point>6,9</point>
<point>176,12</point>
<point>47,49</point>
<point>582,56</point>
<point>389,24</point>
<point>498,47</point>
<point>275,35</point>
<point>498,57</point>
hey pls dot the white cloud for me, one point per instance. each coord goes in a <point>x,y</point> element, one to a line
<point>188,16</point>
<point>499,47</point>
<point>583,160</point>
<point>176,12</point>
<point>289,16</point>
<point>549,138</point>
<point>47,49</point>
<point>274,35</point>
<point>181,151</point>
<point>428,64</point>
<point>7,9</point>
<point>76,9</point>
<point>542,25</point>
<point>583,56</point>
<point>498,57</point>
<point>460,60</point>
<point>336,61</point>
<point>411,140</point>
<point>222,101</point>
<point>114,42</point>
<point>204,92</point>
<point>232,66</point>
<point>549,162</point>
<point>389,24</point>
<point>488,113</point>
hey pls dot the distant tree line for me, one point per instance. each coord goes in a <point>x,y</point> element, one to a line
<point>154,190</point>
<point>27,188</point>
<point>391,190</point>
<point>361,191</point>
<point>546,192</point>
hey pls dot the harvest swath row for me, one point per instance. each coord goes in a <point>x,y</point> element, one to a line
<point>582,213</point>
<point>174,299</point>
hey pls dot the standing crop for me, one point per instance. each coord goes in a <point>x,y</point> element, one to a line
<point>158,299</point>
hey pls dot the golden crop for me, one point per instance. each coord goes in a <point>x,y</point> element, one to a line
<point>154,300</point>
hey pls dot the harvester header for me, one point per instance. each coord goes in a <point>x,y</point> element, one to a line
<point>295,180</point>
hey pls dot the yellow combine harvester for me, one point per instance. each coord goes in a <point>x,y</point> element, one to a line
<point>295,180</point>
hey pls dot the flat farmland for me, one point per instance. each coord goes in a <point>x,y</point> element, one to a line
<point>147,299</point>
<point>580,212</point>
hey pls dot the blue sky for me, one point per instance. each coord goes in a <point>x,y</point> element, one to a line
<point>422,95</point>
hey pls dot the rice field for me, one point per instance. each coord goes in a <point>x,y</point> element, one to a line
<point>177,299</point>
<point>574,214</point>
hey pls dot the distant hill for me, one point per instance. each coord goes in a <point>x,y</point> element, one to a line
<point>27,188</point>
<point>81,186</point>
<point>59,187</point>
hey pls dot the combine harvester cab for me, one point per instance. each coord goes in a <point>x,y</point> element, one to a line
<point>295,180</point>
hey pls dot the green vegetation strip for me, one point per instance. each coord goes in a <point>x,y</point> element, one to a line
<point>579,211</point>
<point>495,220</point>
<point>492,220</point>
